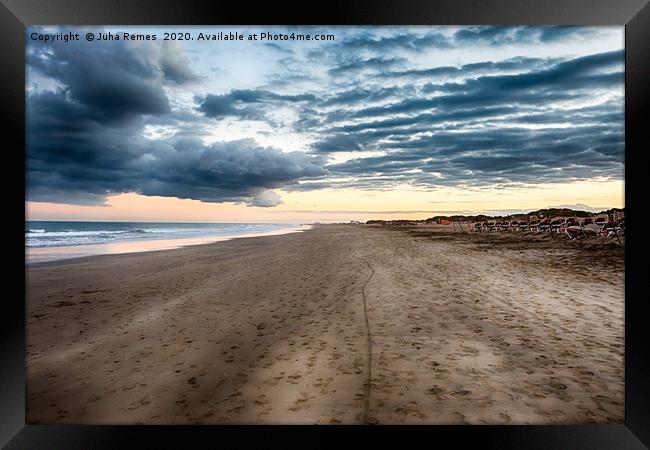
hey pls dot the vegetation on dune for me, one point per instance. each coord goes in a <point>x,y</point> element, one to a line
<point>546,212</point>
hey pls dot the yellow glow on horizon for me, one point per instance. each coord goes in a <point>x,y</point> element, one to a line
<point>340,204</point>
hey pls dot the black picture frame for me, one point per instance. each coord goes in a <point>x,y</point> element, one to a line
<point>15,15</point>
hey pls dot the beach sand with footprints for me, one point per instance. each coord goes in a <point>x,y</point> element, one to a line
<point>340,324</point>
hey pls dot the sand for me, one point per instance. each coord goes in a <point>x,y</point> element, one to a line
<point>339,324</point>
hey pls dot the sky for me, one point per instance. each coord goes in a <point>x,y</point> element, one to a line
<point>378,123</point>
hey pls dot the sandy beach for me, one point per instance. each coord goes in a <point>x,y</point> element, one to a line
<point>340,324</point>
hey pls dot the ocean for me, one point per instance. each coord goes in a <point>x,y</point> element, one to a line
<point>48,241</point>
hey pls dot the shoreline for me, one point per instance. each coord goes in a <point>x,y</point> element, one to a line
<point>342,324</point>
<point>54,254</point>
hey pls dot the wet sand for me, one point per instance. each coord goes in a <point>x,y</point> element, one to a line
<point>339,324</point>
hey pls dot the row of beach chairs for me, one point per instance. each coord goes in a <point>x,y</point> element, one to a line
<point>571,226</point>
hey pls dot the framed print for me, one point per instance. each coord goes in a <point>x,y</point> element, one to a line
<point>385,219</point>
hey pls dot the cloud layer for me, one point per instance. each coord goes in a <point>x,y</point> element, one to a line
<point>84,139</point>
<point>516,120</point>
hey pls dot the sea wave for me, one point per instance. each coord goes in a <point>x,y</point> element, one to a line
<point>54,234</point>
<point>72,233</point>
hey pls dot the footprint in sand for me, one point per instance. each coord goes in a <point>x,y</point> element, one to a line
<point>462,392</point>
<point>435,390</point>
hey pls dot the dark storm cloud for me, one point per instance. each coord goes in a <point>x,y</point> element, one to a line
<point>559,82</point>
<point>358,96</point>
<point>175,67</point>
<point>84,140</point>
<point>378,64</point>
<point>404,39</point>
<point>72,159</point>
<point>114,81</point>
<point>429,118</point>
<point>221,106</point>
<point>247,104</point>
<point>109,97</point>
<point>226,171</point>
<point>370,135</point>
<point>507,35</point>
<point>338,143</point>
<point>467,133</point>
<point>519,63</point>
<point>498,156</point>
<point>580,72</point>
<point>476,129</point>
<point>280,48</point>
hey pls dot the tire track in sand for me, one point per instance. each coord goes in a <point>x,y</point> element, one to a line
<point>366,418</point>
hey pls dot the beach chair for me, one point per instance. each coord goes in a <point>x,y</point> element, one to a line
<point>570,222</point>
<point>573,229</point>
<point>544,225</point>
<point>600,221</point>
<point>556,224</point>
